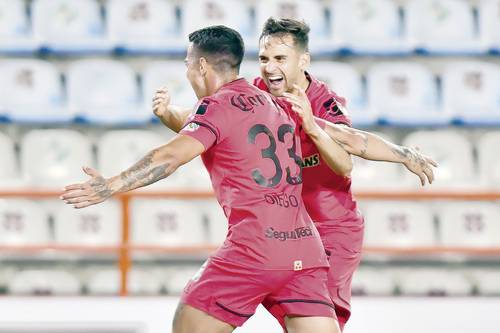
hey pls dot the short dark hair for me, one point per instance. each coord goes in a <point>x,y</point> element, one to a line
<point>299,30</point>
<point>222,46</point>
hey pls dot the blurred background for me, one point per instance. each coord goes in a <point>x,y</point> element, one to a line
<point>76,82</point>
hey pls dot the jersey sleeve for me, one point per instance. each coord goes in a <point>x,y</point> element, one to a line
<point>208,124</point>
<point>334,111</point>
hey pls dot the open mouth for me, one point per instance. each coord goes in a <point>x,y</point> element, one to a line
<point>275,81</point>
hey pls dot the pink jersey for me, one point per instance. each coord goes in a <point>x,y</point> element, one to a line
<point>327,196</point>
<point>253,157</point>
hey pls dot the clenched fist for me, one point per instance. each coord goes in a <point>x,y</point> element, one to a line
<point>161,101</point>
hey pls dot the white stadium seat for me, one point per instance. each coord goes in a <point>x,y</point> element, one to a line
<point>442,26</point>
<point>373,282</point>
<point>217,222</point>
<point>178,277</point>
<point>70,26</point>
<point>105,91</point>
<point>44,282</point>
<point>371,175</point>
<point>487,281</point>
<point>452,151</point>
<point>15,31</point>
<point>143,25</point>
<point>107,282</point>
<point>198,14</point>
<point>169,74</point>
<point>23,222</point>
<point>195,176</point>
<point>399,224</point>
<point>404,93</point>
<point>98,225</point>
<point>54,157</point>
<point>32,91</point>
<point>346,82</point>
<point>470,91</point>
<point>250,69</point>
<point>311,11</point>
<point>470,224</point>
<point>438,282</point>
<point>489,160</point>
<point>365,26</point>
<point>163,222</point>
<point>8,165</point>
<point>489,24</point>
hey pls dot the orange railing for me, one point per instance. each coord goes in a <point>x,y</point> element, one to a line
<point>125,249</point>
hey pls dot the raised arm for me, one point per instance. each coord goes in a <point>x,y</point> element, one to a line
<point>157,164</point>
<point>172,116</point>
<point>334,155</point>
<point>372,147</point>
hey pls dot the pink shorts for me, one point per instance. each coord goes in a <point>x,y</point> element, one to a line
<point>343,245</point>
<point>231,293</point>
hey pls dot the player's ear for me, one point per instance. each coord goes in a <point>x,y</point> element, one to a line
<point>304,61</point>
<point>203,66</point>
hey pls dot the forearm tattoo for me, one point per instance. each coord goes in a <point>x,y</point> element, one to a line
<point>143,173</point>
<point>408,155</point>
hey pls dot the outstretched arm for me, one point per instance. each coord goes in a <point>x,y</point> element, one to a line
<point>334,155</point>
<point>157,164</point>
<point>372,147</point>
<point>172,116</point>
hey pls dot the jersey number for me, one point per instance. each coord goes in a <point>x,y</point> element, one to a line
<point>270,153</point>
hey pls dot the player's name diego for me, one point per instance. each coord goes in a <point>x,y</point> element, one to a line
<point>292,234</point>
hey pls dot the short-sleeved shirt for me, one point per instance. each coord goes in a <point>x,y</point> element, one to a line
<point>253,156</point>
<point>327,196</point>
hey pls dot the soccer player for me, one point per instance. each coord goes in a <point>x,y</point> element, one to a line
<point>284,59</point>
<point>248,142</point>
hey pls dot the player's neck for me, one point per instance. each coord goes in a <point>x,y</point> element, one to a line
<point>217,81</point>
<point>303,81</point>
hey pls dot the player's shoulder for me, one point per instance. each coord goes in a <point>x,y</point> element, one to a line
<point>321,91</point>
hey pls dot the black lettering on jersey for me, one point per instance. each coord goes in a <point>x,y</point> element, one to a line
<point>245,103</point>
<point>333,108</point>
<point>310,161</point>
<point>203,107</point>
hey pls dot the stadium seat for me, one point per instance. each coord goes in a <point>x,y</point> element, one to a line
<point>106,92</point>
<point>15,32</point>
<point>442,26</point>
<point>434,282</point>
<point>23,222</point>
<point>452,151</point>
<point>486,281</point>
<point>178,277</point>
<point>31,91</point>
<point>107,282</point>
<point>163,222</point>
<point>44,282</point>
<point>250,69</point>
<point>311,11</point>
<point>399,224</point>
<point>67,26</point>
<point>372,175</point>
<point>143,25</point>
<point>198,14</point>
<point>346,81</point>
<point>470,224</point>
<point>195,175</point>
<point>8,165</point>
<point>98,225</point>
<point>404,93</point>
<point>364,26</point>
<point>470,91</point>
<point>489,24</point>
<point>217,222</point>
<point>54,157</point>
<point>169,74</point>
<point>489,160</point>
<point>373,282</point>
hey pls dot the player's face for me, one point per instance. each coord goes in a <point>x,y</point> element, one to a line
<point>281,63</point>
<point>195,72</point>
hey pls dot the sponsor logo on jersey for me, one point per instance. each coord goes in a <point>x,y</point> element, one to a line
<point>191,127</point>
<point>297,233</point>
<point>202,108</point>
<point>247,103</point>
<point>311,161</point>
<point>334,108</point>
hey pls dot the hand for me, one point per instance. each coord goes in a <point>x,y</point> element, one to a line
<point>420,165</point>
<point>161,101</point>
<point>302,106</point>
<point>92,192</point>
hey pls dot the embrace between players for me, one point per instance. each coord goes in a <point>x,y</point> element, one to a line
<point>294,232</point>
